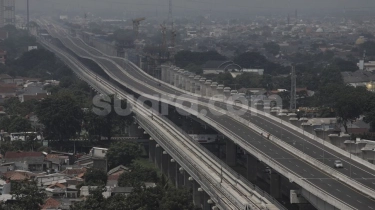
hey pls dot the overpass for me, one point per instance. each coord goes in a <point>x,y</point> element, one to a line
<point>181,158</point>
<point>288,151</point>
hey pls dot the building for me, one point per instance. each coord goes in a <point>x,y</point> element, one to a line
<point>7,12</point>
<point>32,161</point>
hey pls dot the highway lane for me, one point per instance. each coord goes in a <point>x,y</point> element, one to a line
<point>314,149</point>
<point>284,158</point>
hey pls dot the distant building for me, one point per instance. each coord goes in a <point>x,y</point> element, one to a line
<point>7,12</point>
<point>32,161</point>
<point>359,78</point>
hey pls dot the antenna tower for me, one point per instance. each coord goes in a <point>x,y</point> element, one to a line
<point>293,92</point>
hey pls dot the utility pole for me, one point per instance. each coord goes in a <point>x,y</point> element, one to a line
<point>28,16</point>
<point>170,17</point>
<point>293,100</point>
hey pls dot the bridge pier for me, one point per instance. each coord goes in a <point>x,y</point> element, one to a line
<point>208,88</point>
<point>187,182</point>
<point>230,153</point>
<point>202,85</point>
<point>252,168</point>
<point>151,150</point>
<point>179,180</point>
<point>275,185</point>
<point>172,170</point>
<point>197,194</point>
<point>196,89</point>
<point>213,88</point>
<point>165,158</point>
<point>158,154</point>
<point>206,205</point>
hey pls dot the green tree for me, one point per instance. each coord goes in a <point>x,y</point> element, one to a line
<point>95,177</point>
<point>177,199</point>
<point>122,153</point>
<point>137,175</point>
<point>194,68</point>
<point>94,201</point>
<point>272,47</point>
<point>27,195</point>
<point>61,116</point>
<point>19,124</point>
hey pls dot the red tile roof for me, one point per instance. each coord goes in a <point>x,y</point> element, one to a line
<point>74,171</point>
<point>22,154</point>
<point>51,204</point>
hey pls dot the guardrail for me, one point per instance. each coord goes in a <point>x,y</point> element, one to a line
<point>185,158</point>
<point>333,201</point>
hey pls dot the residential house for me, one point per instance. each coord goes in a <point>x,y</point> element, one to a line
<point>114,175</point>
<point>31,161</point>
<point>56,190</point>
<point>5,78</point>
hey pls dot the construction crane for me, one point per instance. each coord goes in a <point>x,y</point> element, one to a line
<point>173,42</point>
<point>164,33</point>
<point>136,23</point>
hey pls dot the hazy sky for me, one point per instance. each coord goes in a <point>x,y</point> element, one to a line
<point>159,7</point>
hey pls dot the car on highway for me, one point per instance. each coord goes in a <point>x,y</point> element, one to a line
<point>338,164</point>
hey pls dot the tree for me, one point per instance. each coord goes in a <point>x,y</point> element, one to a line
<point>177,199</point>
<point>122,153</point>
<point>19,124</point>
<point>272,47</point>
<point>61,116</point>
<point>94,201</point>
<point>194,68</point>
<point>137,175</point>
<point>95,177</point>
<point>26,195</point>
<point>184,58</point>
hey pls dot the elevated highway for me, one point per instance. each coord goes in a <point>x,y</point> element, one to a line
<point>288,152</point>
<point>181,157</point>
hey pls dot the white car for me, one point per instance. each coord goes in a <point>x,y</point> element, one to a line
<point>338,164</point>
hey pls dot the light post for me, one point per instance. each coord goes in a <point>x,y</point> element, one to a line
<point>323,129</point>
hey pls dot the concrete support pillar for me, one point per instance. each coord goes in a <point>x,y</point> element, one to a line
<point>172,170</point>
<point>208,87</point>
<point>151,150</point>
<point>213,89</point>
<point>197,194</point>
<point>165,158</point>
<point>324,134</point>
<point>196,89</point>
<point>308,128</point>
<point>252,168</point>
<point>206,204</point>
<point>191,83</point>
<point>227,92</point>
<point>295,121</point>
<point>220,90</point>
<point>188,183</point>
<point>230,153</point>
<point>180,178</point>
<point>275,185</point>
<point>202,82</point>
<point>158,154</point>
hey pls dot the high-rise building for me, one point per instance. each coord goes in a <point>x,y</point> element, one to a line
<point>7,12</point>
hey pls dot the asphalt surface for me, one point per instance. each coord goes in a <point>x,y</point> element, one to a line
<point>308,172</point>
